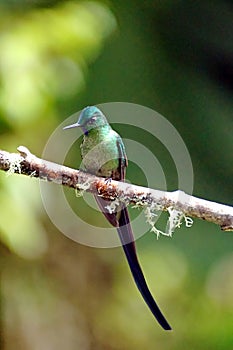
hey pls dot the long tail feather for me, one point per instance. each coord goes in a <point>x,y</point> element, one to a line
<point>127,240</point>
<point>125,233</point>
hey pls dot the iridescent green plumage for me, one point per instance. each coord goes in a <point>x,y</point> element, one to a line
<point>103,154</point>
<point>100,151</point>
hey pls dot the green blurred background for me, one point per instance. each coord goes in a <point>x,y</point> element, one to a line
<point>57,57</point>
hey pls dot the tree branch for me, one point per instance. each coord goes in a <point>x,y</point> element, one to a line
<point>27,164</point>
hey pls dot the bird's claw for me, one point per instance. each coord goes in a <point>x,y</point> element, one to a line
<point>108,180</point>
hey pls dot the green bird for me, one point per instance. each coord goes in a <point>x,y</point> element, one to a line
<point>103,154</point>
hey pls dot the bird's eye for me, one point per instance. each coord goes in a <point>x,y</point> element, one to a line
<point>93,119</point>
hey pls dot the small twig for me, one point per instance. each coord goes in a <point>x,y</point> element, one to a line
<point>27,164</point>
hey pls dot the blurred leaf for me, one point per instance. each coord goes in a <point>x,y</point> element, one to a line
<point>44,55</point>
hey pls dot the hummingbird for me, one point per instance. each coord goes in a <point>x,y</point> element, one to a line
<point>103,154</point>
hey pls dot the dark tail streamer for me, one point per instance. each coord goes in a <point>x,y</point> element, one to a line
<point>125,233</point>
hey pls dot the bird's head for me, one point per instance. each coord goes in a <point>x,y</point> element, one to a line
<point>90,117</point>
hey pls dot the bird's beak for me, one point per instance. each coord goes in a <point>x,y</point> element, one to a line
<point>75,125</point>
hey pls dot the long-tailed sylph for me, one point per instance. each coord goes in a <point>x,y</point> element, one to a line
<point>103,154</point>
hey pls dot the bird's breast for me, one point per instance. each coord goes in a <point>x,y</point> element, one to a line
<point>99,155</point>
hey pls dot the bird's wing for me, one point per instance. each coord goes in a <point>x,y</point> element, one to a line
<point>123,161</point>
<point>117,174</point>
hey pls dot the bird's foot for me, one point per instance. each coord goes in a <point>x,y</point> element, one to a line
<point>108,180</point>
